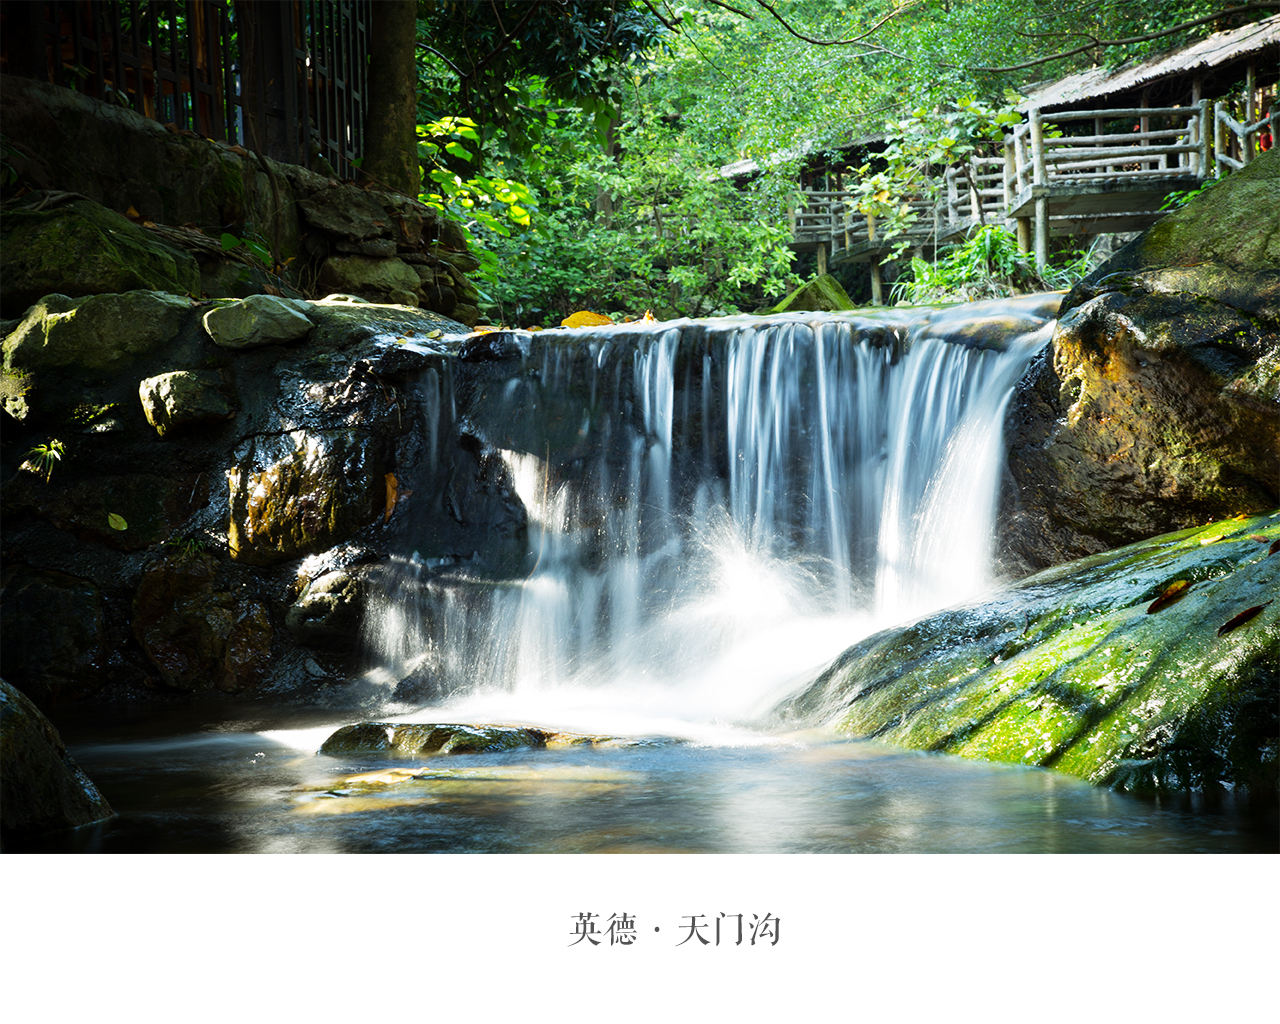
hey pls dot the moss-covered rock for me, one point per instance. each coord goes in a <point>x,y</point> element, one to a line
<point>80,248</point>
<point>823,294</point>
<point>102,332</point>
<point>42,789</point>
<point>257,320</point>
<point>371,278</point>
<point>1083,669</point>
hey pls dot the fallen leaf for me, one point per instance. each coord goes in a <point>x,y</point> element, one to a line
<point>132,214</point>
<point>392,487</point>
<point>1172,593</point>
<point>1241,619</point>
<point>1275,546</point>
<point>583,318</point>
<point>116,522</point>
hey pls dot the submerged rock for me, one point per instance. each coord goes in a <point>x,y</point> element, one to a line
<point>414,739</point>
<point>42,789</point>
<point>1152,668</point>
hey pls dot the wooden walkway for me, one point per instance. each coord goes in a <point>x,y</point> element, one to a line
<point>1078,173</point>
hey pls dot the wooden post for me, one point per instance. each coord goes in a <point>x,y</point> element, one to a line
<point>1010,169</point>
<point>877,283</point>
<point>822,258</point>
<point>1040,183</point>
<point>1205,166</point>
<point>1250,110</point>
<point>1219,134</point>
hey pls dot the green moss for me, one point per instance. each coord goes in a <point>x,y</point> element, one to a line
<point>1093,684</point>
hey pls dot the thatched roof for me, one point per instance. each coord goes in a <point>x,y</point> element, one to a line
<point>1214,52</point>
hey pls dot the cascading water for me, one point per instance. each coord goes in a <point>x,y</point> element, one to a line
<point>716,509</point>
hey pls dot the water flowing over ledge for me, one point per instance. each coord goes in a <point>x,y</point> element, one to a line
<point>715,509</point>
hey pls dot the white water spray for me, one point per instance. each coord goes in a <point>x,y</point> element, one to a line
<point>745,499</point>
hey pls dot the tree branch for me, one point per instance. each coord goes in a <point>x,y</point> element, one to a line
<point>1242,9</point>
<point>654,11</point>
<point>843,42</point>
<point>431,49</point>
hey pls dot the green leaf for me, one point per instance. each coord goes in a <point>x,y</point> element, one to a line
<point>116,522</point>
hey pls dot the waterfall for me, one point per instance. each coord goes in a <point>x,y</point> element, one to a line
<point>716,509</point>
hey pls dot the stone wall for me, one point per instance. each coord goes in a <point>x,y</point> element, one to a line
<point>300,233</point>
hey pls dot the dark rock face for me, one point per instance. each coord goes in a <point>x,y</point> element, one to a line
<point>197,631</point>
<point>1159,406</point>
<point>41,787</point>
<point>217,511</point>
<point>54,635</point>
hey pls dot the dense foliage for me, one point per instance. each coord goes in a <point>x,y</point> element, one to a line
<point>617,116</point>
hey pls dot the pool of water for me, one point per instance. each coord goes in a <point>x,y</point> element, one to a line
<point>192,784</point>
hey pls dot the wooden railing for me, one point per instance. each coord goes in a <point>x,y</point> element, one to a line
<point>1229,135</point>
<point>1112,176</point>
<point>1039,157</point>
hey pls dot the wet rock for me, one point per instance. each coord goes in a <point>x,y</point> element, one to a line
<point>52,638</point>
<point>379,280</point>
<point>42,789</point>
<point>78,248</point>
<point>100,333</point>
<point>1159,406</point>
<point>329,611</point>
<point>363,738</point>
<point>1084,669</point>
<point>316,497</point>
<point>183,398</point>
<point>420,739</point>
<point>257,320</point>
<point>199,631</point>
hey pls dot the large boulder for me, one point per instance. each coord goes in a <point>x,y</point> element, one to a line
<point>77,248</point>
<point>102,332</point>
<point>42,789</point>
<point>1158,406</point>
<point>1152,668</point>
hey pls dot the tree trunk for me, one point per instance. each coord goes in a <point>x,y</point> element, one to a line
<point>391,146</point>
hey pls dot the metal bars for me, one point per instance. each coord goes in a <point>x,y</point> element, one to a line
<point>286,78</point>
